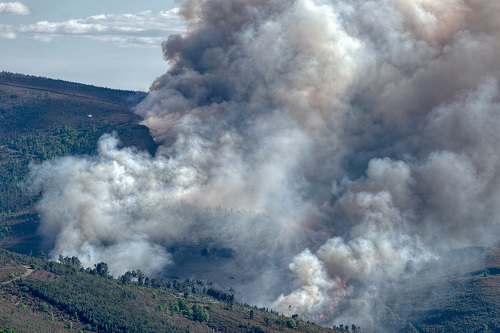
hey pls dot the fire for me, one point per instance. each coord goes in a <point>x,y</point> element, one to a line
<point>344,282</point>
<point>338,295</point>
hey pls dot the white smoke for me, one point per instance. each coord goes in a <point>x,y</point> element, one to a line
<point>355,139</point>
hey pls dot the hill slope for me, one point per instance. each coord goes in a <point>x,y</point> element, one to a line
<point>43,118</point>
<point>63,297</point>
<point>462,298</point>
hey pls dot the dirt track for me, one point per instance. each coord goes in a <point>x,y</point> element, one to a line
<point>28,272</point>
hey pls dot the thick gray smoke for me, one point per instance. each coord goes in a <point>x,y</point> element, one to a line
<point>347,142</point>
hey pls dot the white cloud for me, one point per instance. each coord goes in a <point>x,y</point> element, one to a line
<point>43,39</point>
<point>15,8</point>
<point>7,32</point>
<point>145,29</point>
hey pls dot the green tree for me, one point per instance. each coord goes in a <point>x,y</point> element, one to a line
<point>42,255</point>
<point>126,278</point>
<point>231,298</point>
<point>43,307</point>
<point>184,308</point>
<point>199,313</point>
<point>7,330</point>
<point>101,269</point>
<point>140,277</point>
<point>291,324</point>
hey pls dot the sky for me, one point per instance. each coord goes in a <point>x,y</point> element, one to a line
<point>110,43</point>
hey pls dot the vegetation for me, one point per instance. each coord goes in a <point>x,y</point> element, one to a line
<point>7,330</point>
<point>63,296</point>
<point>41,119</point>
<point>24,149</point>
<point>71,88</point>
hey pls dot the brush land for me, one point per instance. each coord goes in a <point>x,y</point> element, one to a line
<point>37,295</point>
<point>42,119</point>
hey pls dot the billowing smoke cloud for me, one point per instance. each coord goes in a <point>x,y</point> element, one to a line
<point>347,143</point>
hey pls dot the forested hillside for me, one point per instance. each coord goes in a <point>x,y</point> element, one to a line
<point>72,89</point>
<point>64,297</point>
<point>41,119</point>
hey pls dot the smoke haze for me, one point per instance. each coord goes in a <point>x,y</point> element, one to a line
<point>338,146</point>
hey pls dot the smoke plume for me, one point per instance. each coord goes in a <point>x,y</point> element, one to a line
<point>337,146</point>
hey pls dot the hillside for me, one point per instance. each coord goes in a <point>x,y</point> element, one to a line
<point>63,297</point>
<point>41,119</point>
<point>464,297</point>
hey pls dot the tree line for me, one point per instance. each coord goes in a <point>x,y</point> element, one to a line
<point>111,304</point>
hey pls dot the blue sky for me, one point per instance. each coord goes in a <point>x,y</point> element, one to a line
<point>112,43</point>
